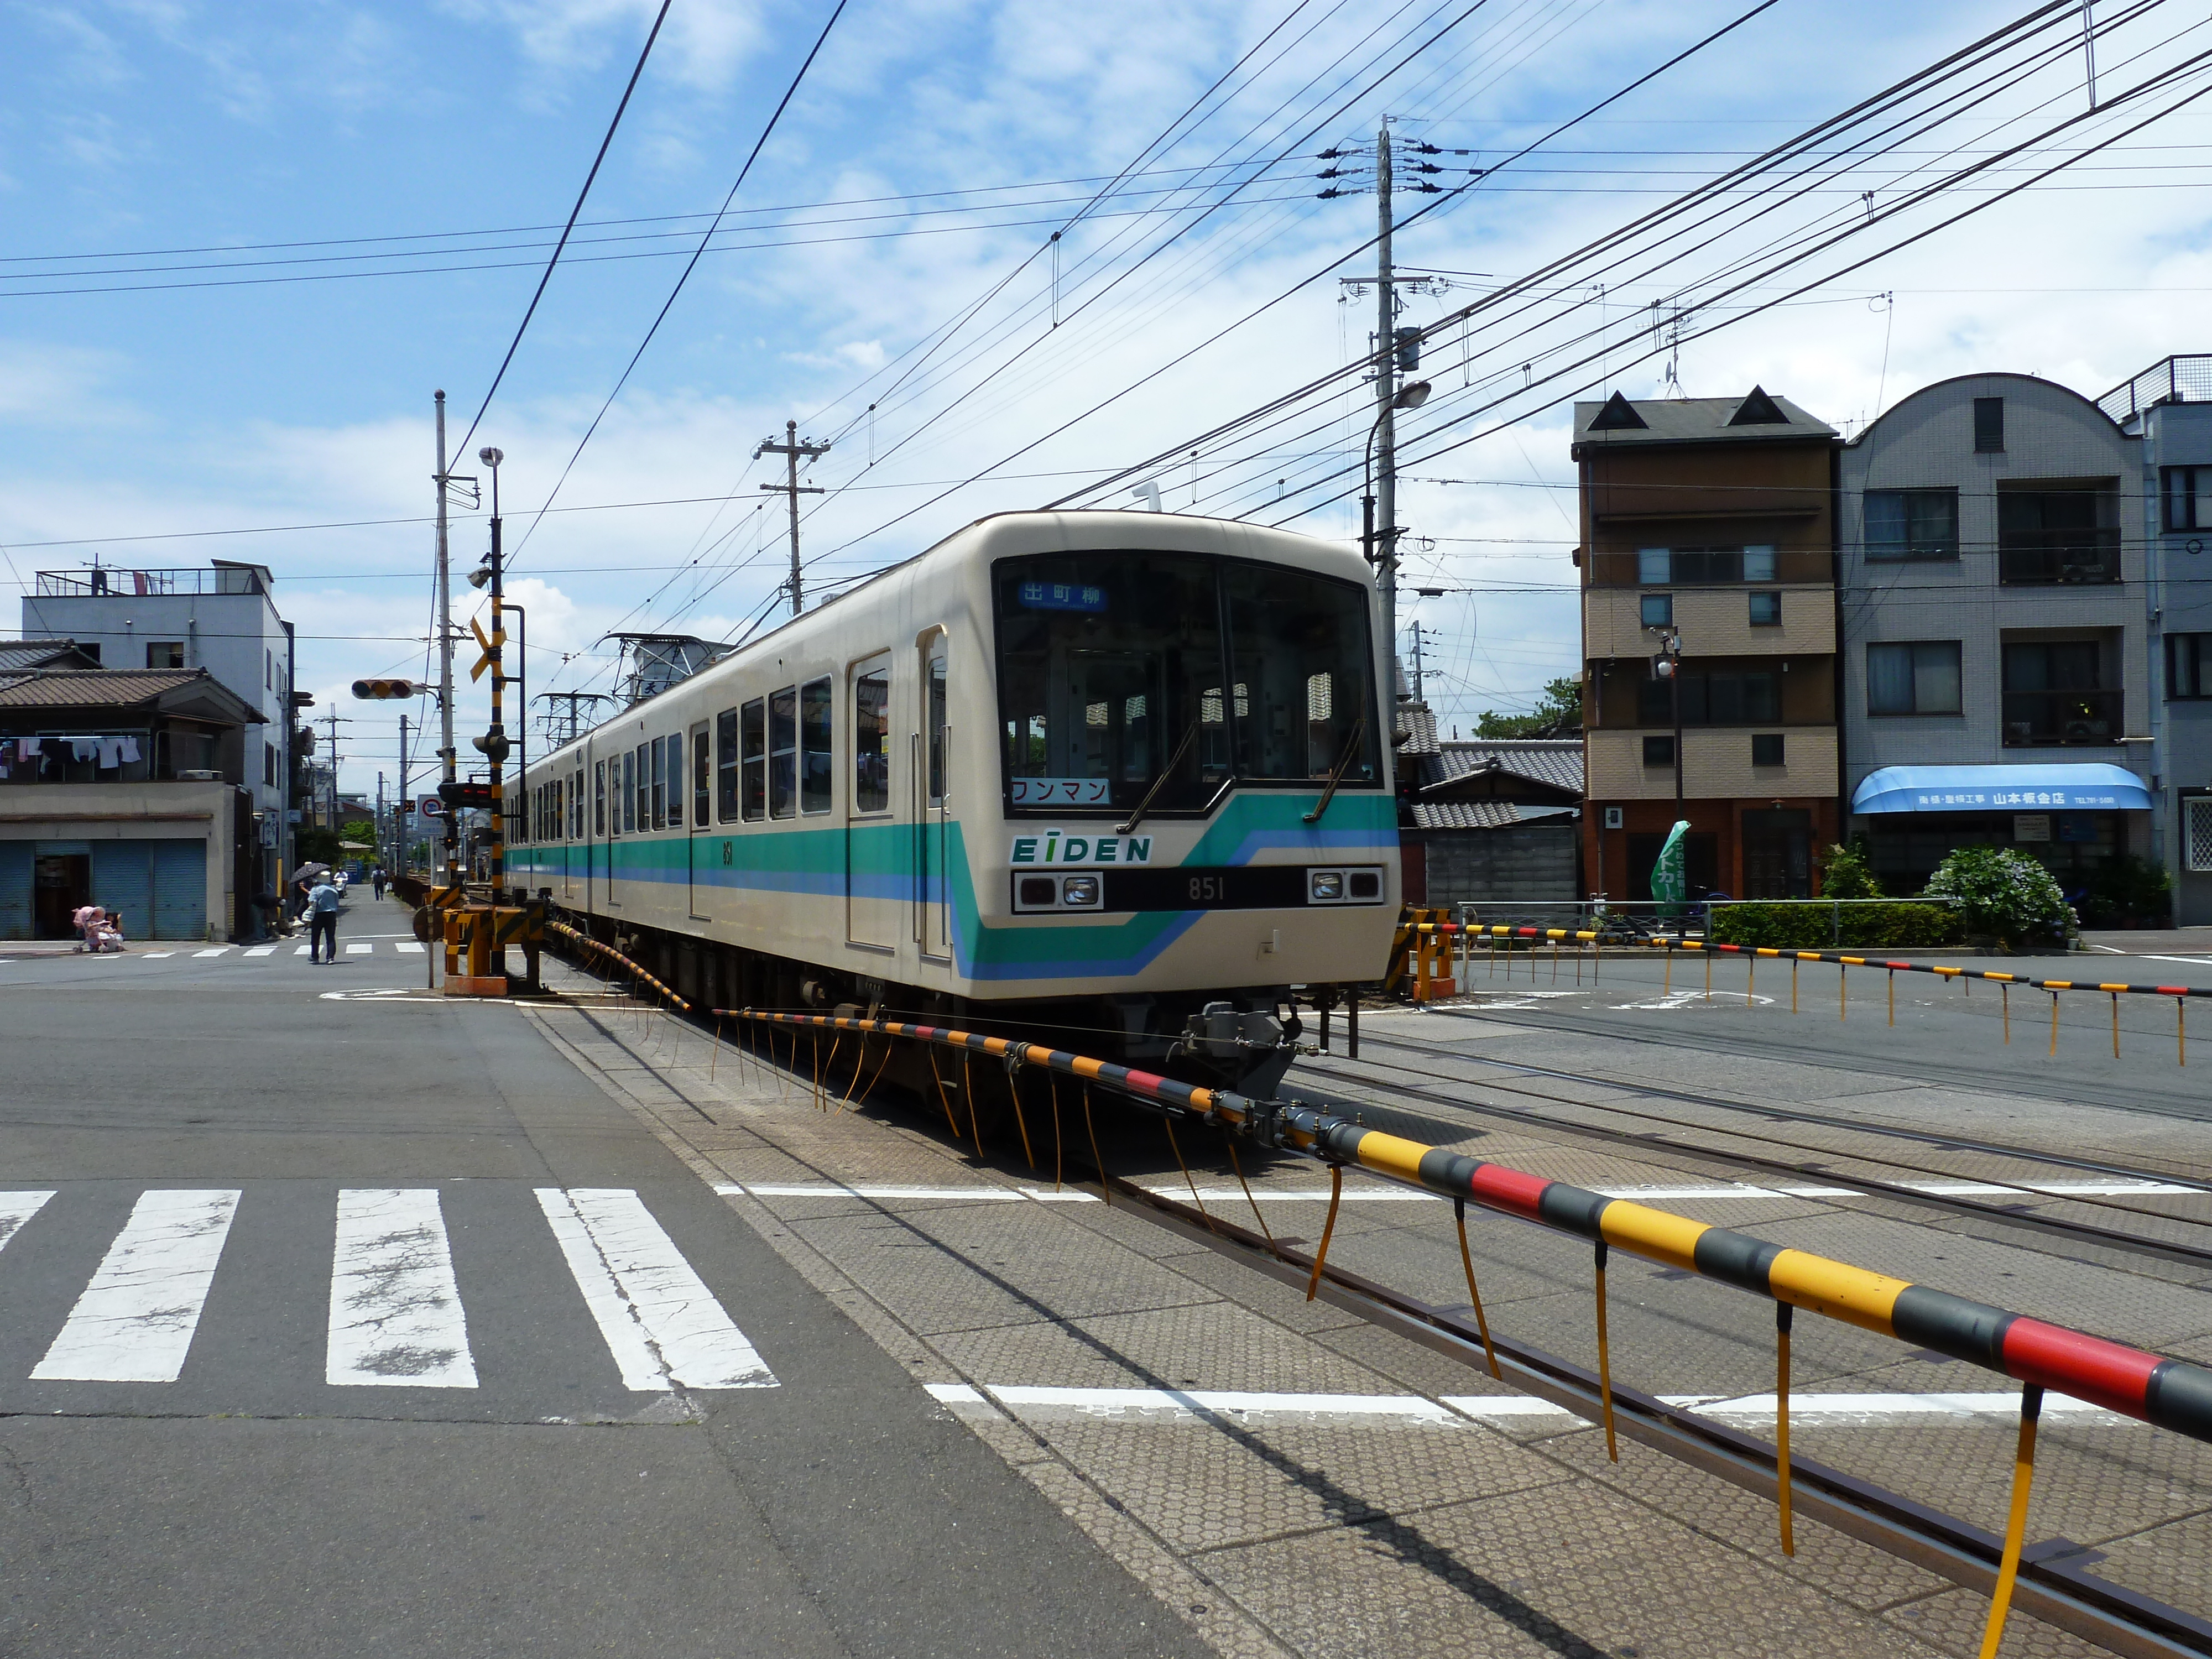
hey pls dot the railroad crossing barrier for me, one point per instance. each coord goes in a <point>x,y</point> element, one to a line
<point>1845,963</point>
<point>607,953</point>
<point>481,934</point>
<point>2165,1393</point>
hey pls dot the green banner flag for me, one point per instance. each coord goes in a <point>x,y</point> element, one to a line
<point>1670,881</point>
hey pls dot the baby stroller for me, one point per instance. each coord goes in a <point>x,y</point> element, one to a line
<point>99,933</point>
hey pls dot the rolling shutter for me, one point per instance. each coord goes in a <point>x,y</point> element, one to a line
<point>179,889</point>
<point>17,863</point>
<point>123,881</point>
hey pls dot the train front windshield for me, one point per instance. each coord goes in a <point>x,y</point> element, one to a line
<point>1115,668</point>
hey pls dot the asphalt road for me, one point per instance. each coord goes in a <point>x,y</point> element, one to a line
<point>566,1404</point>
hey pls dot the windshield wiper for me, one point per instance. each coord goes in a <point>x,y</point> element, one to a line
<point>1166,772</point>
<point>1350,748</point>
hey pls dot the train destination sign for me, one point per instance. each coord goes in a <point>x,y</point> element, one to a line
<point>1063,596</point>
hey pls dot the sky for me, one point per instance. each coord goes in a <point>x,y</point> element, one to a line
<point>241,247</point>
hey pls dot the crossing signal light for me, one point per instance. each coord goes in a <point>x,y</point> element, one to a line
<point>385,690</point>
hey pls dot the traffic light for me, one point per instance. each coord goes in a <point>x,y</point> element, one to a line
<point>383,690</point>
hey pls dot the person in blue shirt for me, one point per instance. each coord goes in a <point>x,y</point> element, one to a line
<point>323,921</point>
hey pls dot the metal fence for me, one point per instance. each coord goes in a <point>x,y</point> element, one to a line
<point>2175,380</point>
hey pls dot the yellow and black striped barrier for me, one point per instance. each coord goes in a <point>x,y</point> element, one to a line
<point>586,942</point>
<point>2169,1394</point>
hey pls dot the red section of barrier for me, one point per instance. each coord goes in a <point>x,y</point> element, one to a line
<point>1508,1189</point>
<point>2085,1367</point>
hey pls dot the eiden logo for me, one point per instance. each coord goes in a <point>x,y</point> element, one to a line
<point>1058,847</point>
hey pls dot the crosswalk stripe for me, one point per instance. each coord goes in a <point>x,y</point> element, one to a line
<point>135,1322</point>
<point>300,951</point>
<point>359,949</point>
<point>263,950</point>
<point>16,1208</point>
<point>660,1322</point>
<point>396,1315</point>
<point>219,950</point>
<point>155,956</point>
<point>408,947</point>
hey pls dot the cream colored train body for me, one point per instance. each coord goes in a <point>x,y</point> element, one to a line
<point>1092,770</point>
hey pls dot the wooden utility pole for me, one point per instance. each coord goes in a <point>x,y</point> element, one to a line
<point>791,449</point>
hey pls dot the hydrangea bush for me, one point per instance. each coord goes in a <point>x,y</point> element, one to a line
<point>2005,895</point>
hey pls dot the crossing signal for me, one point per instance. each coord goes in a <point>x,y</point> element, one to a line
<point>385,690</point>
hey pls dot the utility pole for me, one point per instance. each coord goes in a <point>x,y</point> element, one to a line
<point>334,722</point>
<point>1417,698</point>
<point>494,745</point>
<point>399,865</point>
<point>791,449</point>
<point>445,751</point>
<point>1386,391</point>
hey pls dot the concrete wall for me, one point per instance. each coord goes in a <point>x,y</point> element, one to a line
<point>2180,602</point>
<point>133,812</point>
<point>1528,863</point>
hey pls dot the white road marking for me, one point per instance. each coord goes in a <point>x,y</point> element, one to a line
<point>16,1208</point>
<point>302,951</point>
<point>1189,1405</point>
<point>408,947</point>
<point>660,1322</point>
<point>395,1314</point>
<point>263,950</point>
<point>1853,1408</point>
<point>219,950</point>
<point>135,1322</point>
<point>155,956</point>
<point>969,1194</point>
<point>360,950</point>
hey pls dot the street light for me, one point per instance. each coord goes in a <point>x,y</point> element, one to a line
<point>1412,395</point>
<point>1669,668</point>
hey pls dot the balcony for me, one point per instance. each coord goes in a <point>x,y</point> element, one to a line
<point>2051,558</point>
<point>2053,720</point>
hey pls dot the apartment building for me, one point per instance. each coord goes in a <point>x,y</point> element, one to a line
<point>2169,407</point>
<point>1995,674</point>
<point>1709,640</point>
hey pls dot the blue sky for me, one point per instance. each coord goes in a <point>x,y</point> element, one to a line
<point>239,247</point>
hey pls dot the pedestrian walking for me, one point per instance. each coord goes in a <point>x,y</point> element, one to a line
<point>323,921</point>
<point>377,877</point>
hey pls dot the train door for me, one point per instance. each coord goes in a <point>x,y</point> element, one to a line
<point>933,891</point>
<point>698,850</point>
<point>871,902</point>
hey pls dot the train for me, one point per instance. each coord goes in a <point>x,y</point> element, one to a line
<point>1119,781</point>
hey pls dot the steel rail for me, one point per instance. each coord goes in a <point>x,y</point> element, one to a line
<point>2166,1393</point>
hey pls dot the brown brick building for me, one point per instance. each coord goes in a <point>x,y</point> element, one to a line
<point>1708,522</point>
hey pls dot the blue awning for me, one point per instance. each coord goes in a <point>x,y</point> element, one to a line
<point>2082,788</point>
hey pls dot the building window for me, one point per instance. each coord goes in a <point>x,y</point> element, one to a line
<point>2188,493</point>
<point>1703,566</point>
<point>2069,534</point>
<point>1767,748</point>
<point>1766,610</point>
<point>1658,751</point>
<point>2054,694</point>
<point>1726,699</point>
<point>164,653</point>
<point>2196,832</point>
<point>1904,524</point>
<point>268,670</point>
<point>2189,664</point>
<point>1989,426</point>
<point>269,765</point>
<point>1657,609</point>
<point>1921,678</point>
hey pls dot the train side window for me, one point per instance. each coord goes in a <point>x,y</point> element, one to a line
<point>725,765</point>
<point>576,805</point>
<point>656,758</point>
<point>816,724</point>
<point>599,798</point>
<point>872,720</point>
<point>628,824</point>
<point>643,789</point>
<point>674,745</point>
<point>783,752</point>
<point>755,786</point>
<point>702,775</point>
<point>934,693</point>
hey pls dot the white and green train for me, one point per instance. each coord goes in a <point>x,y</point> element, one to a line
<point>1085,773</point>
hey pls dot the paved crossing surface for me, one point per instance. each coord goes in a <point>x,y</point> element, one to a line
<point>339,1319</point>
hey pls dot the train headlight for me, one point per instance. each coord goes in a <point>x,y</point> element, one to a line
<point>1326,886</point>
<point>1080,892</point>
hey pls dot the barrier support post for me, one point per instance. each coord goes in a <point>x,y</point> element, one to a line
<point>2181,1029</point>
<point>1605,1361</point>
<point>2004,999</point>
<point>2054,1025</point>
<point>2023,1472</point>
<point>1783,1311</point>
<point>1667,978</point>
<point>1328,1227</point>
<point>1473,1296</point>
<point>2116,1025</point>
<point>1893,996</point>
<point>1793,985</point>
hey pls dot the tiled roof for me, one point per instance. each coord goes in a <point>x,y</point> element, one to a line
<point>57,689</point>
<point>1695,419</point>
<point>1420,721</point>
<point>16,654</point>
<point>1555,763</point>
<point>1483,814</point>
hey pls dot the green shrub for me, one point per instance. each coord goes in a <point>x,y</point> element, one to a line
<point>2125,887</point>
<point>1845,874</point>
<point>2003,895</point>
<point>1812,926</point>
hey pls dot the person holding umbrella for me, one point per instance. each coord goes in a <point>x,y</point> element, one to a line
<point>323,919</point>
